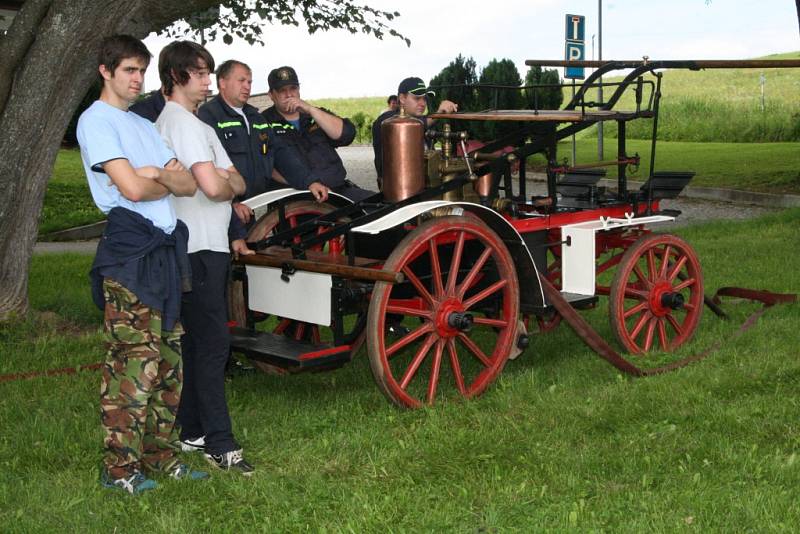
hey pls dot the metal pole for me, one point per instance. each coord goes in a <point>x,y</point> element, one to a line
<point>600,88</point>
<point>574,147</point>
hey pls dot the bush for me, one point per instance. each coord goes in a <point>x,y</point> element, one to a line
<point>363,124</point>
<point>545,97</point>
<point>499,72</point>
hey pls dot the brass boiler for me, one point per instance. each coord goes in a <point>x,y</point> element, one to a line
<point>451,166</point>
<point>402,138</point>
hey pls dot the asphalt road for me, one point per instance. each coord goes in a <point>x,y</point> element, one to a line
<point>360,168</point>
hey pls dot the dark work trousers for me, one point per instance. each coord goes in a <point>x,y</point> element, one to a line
<point>203,410</point>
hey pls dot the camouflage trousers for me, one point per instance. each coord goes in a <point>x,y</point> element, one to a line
<point>141,386</point>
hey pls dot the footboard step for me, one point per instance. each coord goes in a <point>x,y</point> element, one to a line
<point>288,353</point>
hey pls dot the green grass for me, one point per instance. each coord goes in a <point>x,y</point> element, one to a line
<point>561,441</point>
<point>67,201</point>
<point>766,167</point>
<point>721,105</point>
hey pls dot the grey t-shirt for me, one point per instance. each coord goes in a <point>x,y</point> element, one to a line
<point>193,141</point>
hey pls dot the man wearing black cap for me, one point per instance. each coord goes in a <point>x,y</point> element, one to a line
<point>412,94</point>
<point>314,132</point>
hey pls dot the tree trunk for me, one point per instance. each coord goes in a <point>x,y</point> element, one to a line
<point>51,48</point>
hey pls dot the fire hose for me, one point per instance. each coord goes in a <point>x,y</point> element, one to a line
<point>595,342</point>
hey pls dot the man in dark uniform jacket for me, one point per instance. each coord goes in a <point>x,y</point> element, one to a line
<point>249,141</point>
<point>314,132</point>
<point>150,106</point>
<point>412,95</point>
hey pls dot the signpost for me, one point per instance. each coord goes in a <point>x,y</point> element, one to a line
<point>574,50</point>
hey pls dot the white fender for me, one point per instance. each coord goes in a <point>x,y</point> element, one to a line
<point>263,200</point>
<point>526,269</point>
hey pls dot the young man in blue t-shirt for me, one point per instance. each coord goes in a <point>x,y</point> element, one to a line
<point>138,273</point>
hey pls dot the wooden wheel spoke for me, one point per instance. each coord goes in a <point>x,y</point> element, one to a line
<point>609,263</point>
<point>637,294</point>
<point>418,332</point>
<point>299,330</point>
<point>678,265</point>
<point>495,323</point>
<point>640,324</point>
<point>665,262</point>
<point>421,289</point>
<point>436,268</point>
<point>435,366</point>
<point>451,351</point>
<point>651,264</point>
<point>637,270</point>
<point>662,334</point>
<point>651,328</point>
<point>404,310</point>
<point>415,363</point>
<point>492,289</point>
<point>473,273</point>
<point>455,264</point>
<point>684,284</point>
<point>474,349</point>
<point>675,325</point>
<point>636,309</point>
<point>282,326</point>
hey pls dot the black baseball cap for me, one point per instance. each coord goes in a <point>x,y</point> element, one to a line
<point>415,86</point>
<point>281,77</point>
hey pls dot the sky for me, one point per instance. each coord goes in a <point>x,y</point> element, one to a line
<point>339,64</point>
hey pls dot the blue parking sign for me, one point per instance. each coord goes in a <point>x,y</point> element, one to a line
<point>574,51</point>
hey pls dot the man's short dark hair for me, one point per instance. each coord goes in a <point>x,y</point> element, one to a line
<point>391,98</point>
<point>226,67</point>
<point>115,48</point>
<point>176,61</point>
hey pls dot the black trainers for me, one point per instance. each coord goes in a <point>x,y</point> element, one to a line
<point>231,461</point>
<point>193,444</point>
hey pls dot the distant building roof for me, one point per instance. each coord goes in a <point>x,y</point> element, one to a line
<point>261,101</point>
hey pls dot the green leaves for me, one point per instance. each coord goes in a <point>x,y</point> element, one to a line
<point>244,19</point>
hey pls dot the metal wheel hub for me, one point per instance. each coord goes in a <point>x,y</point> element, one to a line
<point>451,319</point>
<point>663,299</point>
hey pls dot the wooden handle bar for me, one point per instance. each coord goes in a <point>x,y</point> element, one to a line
<point>693,64</point>
<point>345,271</point>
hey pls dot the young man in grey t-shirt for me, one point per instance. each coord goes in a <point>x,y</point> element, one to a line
<point>185,68</point>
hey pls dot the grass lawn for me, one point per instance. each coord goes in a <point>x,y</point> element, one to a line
<point>765,167</point>
<point>561,441</point>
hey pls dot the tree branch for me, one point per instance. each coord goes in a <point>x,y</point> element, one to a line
<point>14,45</point>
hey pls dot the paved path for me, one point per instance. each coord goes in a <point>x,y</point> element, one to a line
<point>359,163</point>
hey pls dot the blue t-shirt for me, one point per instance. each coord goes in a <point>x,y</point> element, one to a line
<point>295,123</point>
<point>105,133</point>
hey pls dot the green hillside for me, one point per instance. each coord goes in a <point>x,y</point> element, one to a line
<point>724,105</point>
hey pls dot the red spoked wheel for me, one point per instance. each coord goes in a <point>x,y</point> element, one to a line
<point>452,322</point>
<point>656,297</point>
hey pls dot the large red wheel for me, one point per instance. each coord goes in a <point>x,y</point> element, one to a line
<point>458,305</point>
<point>656,297</point>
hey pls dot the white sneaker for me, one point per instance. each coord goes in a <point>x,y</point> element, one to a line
<point>192,445</point>
<point>231,461</point>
